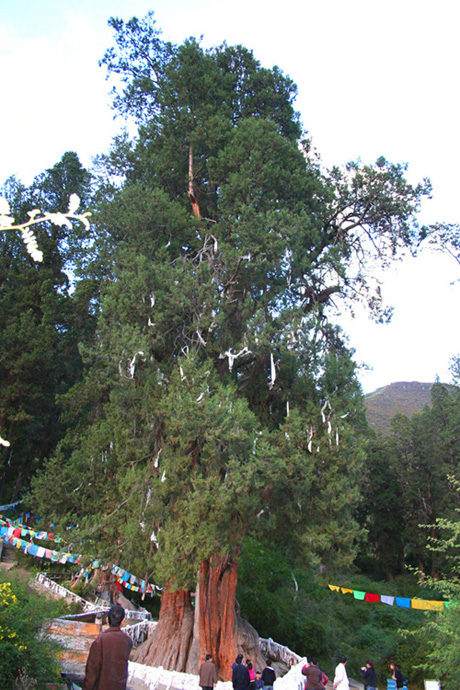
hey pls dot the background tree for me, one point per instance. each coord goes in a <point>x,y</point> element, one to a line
<point>440,635</point>
<point>408,484</point>
<point>41,323</point>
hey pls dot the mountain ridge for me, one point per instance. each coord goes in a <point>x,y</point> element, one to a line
<point>403,397</point>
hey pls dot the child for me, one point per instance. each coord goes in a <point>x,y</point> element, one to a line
<point>259,683</point>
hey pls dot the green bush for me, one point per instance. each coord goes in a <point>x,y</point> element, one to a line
<point>298,610</point>
<point>25,652</point>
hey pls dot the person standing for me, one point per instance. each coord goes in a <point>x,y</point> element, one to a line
<point>369,676</point>
<point>208,673</point>
<point>252,674</point>
<point>314,675</point>
<point>398,676</point>
<point>341,678</point>
<point>268,676</point>
<point>259,683</point>
<point>107,664</point>
<point>240,675</point>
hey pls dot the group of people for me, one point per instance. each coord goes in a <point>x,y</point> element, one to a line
<point>245,677</point>
<point>370,676</point>
<point>107,666</point>
<point>316,679</point>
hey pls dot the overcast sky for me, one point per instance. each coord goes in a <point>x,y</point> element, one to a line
<point>374,79</point>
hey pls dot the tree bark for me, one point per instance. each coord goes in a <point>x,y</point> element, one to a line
<point>218,578</point>
<point>184,636</point>
<point>170,642</point>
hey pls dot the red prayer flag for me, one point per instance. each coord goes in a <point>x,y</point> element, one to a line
<point>372,597</point>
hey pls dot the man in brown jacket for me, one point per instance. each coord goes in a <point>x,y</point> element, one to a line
<point>208,673</point>
<point>314,676</point>
<point>107,665</point>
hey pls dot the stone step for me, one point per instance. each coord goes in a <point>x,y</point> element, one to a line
<point>76,637</point>
<point>62,626</point>
<point>74,667</point>
<point>79,644</point>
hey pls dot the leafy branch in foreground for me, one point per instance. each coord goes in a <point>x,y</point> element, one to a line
<point>36,217</point>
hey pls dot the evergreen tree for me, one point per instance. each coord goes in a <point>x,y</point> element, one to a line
<point>408,484</point>
<point>40,323</point>
<point>217,400</point>
<point>441,636</point>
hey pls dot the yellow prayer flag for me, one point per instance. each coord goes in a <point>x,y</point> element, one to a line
<point>334,588</point>
<point>427,604</point>
<point>346,591</point>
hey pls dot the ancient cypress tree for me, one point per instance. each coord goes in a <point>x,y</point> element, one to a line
<point>218,400</point>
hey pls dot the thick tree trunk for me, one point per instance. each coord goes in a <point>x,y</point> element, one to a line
<point>170,642</point>
<point>184,636</point>
<point>218,578</point>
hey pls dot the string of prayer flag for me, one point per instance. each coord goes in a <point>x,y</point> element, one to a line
<point>420,604</point>
<point>13,532</point>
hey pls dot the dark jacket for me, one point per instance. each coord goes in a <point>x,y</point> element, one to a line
<point>268,675</point>
<point>240,678</point>
<point>370,677</point>
<point>208,674</point>
<point>399,678</point>
<point>314,677</point>
<point>107,665</point>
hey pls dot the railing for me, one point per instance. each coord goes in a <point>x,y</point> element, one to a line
<point>87,606</point>
<point>139,632</point>
<point>64,593</point>
<point>140,614</point>
<point>293,680</point>
<point>277,652</point>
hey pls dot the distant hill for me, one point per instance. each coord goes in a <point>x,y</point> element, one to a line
<point>404,397</point>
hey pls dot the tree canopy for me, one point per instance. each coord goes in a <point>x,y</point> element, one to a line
<point>214,373</point>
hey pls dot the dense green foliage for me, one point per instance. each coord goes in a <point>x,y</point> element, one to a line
<point>40,324</point>
<point>440,637</point>
<point>408,484</point>
<point>298,610</point>
<point>26,654</point>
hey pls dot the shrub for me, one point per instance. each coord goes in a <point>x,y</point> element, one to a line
<point>25,652</point>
